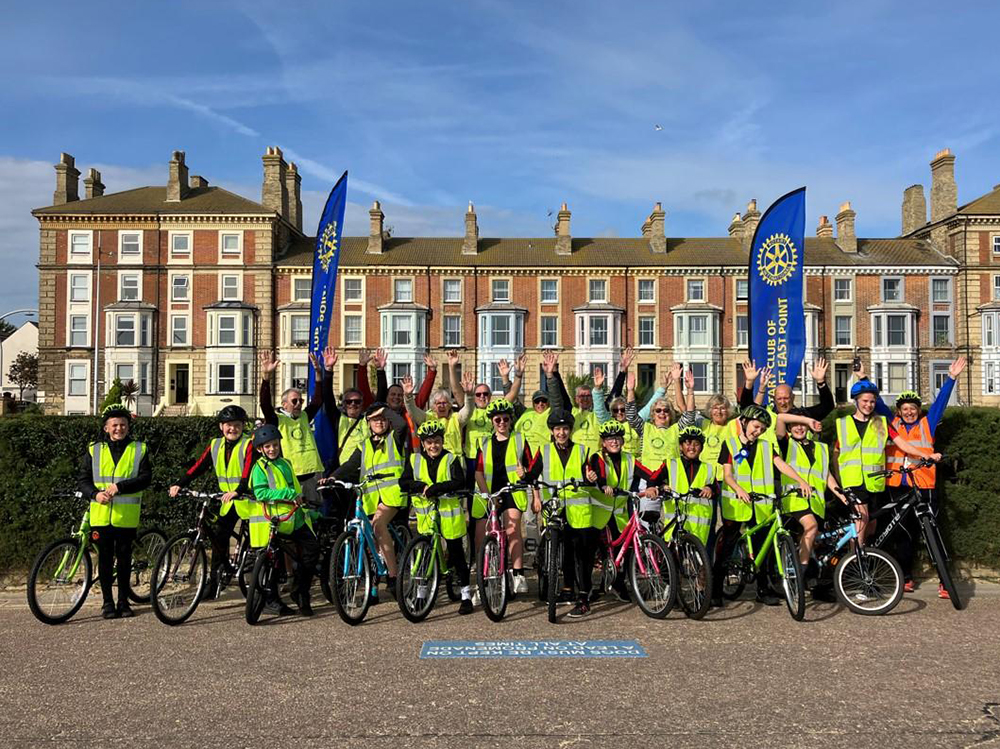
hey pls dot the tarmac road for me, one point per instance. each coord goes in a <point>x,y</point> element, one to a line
<point>747,676</point>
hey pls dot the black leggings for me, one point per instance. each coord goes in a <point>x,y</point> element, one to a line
<point>729,536</point>
<point>582,543</point>
<point>457,560</point>
<point>220,534</point>
<point>308,555</point>
<point>114,544</point>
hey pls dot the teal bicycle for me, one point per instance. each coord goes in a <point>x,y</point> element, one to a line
<point>63,573</point>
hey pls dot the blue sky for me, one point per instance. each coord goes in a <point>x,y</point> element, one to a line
<point>515,106</point>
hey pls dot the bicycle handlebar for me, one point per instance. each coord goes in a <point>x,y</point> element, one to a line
<point>330,483</point>
<point>296,504</point>
<point>922,463</point>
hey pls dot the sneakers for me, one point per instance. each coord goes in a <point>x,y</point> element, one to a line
<point>717,602</point>
<point>305,607</point>
<point>621,593</point>
<point>768,600</point>
<point>581,609</point>
<point>908,586</point>
<point>124,610</point>
<point>566,597</point>
<point>942,593</point>
<point>520,584</point>
<point>278,607</point>
<point>108,611</point>
<point>475,596</point>
<point>861,598</point>
<point>465,607</point>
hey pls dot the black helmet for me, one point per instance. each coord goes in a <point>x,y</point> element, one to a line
<point>116,411</point>
<point>265,433</point>
<point>375,408</point>
<point>232,413</point>
<point>756,413</point>
<point>560,417</point>
<point>691,433</point>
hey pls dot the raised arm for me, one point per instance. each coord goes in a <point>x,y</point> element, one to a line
<point>750,373</point>
<point>427,386</point>
<point>600,407</point>
<point>367,397</point>
<point>416,413</point>
<point>268,363</point>
<point>937,408</point>
<point>515,386</point>
<point>329,401</point>
<point>453,381</point>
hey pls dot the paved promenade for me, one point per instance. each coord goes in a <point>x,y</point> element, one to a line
<point>924,676</point>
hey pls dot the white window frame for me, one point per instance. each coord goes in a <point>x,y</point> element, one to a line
<point>601,285</point>
<point>294,292</point>
<point>86,287</point>
<point>237,289</point>
<point>745,282</point>
<point>122,275</point>
<point>708,375</point>
<point>80,257</point>
<point>990,320</point>
<point>742,336</point>
<point>409,331</point>
<point>219,330</point>
<point>85,379</point>
<point>948,290</point>
<point>996,244</point>
<point>117,318</point>
<point>996,288</point>
<point>292,330</point>
<point>541,290</point>
<point>639,332</point>
<point>493,331</point>
<point>850,289</point>
<point>133,257</point>
<point>173,288</point>
<point>361,331</point>
<point>235,378</point>
<point>300,382</point>
<point>360,299</point>
<point>445,332</point>
<point>397,285</point>
<point>173,330</point>
<point>542,332</point>
<point>688,287</point>
<point>496,283</point>
<point>85,331</point>
<point>949,339</point>
<point>455,284</point>
<point>184,255</point>
<point>850,331</point>
<point>638,290</point>
<point>230,255</point>
<point>118,366</point>
<point>902,288</point>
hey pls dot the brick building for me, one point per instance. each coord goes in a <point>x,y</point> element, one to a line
<point>195,280</point>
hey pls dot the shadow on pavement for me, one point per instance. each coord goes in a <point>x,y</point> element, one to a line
<point>908,606</point>
<point>733,610</point>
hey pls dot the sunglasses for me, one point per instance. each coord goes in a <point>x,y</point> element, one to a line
<point>617,410</point>
<point>294,401</point>
<point>353,402</point>
<point>483,394</point>
<point>661,410</point>
<point>501,419</point>
<point>540,400</point>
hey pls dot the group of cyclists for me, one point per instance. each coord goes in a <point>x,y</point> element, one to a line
<point>429,446</point>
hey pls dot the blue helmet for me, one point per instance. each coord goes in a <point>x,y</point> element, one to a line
<point>863,386</point>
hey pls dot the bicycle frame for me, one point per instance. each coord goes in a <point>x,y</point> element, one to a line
<point>365,531</point>
<point>83,534</point>
<point>627,539</point>
<point>770,542</point>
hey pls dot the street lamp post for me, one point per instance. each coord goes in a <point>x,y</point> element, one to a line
<point>27,312</point>
<point>97,318</point>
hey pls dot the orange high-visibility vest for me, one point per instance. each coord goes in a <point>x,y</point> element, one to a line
<point>919,438</point>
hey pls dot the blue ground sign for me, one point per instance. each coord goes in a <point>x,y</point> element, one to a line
<point>532,649</point>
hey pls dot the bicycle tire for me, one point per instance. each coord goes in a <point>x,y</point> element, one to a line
<point>694,575</point>
<point>493,582</point>
<point>452,587</point>
<point>792,583</point>
<point>654,595</point>
<point>553,557</point>
<point>146,547</point>
<point>180,563</point>
<point>870,584</point>
<point>400,540</point>
<point>245,571</point>
<point>734,573</point>
<point>351,592</point>
<point>260,583</point>
<point>417,574</point>
<point>70,592</point>
<point>542,569</point>
<point>940,559</point>
<point>324,579</point>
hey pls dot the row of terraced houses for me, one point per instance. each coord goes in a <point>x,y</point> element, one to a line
<point>177,287</point>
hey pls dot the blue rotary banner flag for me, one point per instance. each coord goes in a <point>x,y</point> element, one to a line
<point>777,319</point>
<point>324,284</point>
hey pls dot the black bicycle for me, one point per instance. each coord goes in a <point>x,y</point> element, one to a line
<point>180,572</point>
<point>549,558</point>
<point>912,501</point>
<point>694,570</point>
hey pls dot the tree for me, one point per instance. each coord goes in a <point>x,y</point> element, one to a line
<point>113,397</point>
<point>6,329</point>
<point>24,372</point>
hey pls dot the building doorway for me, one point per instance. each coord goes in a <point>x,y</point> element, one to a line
<point>181,383</point>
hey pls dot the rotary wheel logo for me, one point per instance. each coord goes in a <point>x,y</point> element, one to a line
<point>328,245</point>
<point>777,259</point>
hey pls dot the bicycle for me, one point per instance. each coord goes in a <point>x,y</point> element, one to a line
<point>268,567</point>
<point>180,571</point>
<point>694,569</point>
<point>742,565</point>
<point>913,501</point>
<point>549,557</point>
<point>355,563</point>
<point>494,582</point>
<point>646,554</point>
<point>867,580</point>
<point>422,564</point>
<point>63,572</point>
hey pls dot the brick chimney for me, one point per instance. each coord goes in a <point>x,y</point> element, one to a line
<point>750,220</point>
<point>847,240</point>
<point>470,245</point>
<point>197,181</point>
<point>825,228</point>
<point>944,192</point>
<point>375,233</point>
<point>736,227</point>
<point>658,229</point>
<point>177,184</point>
<point>293,186</point>
<point>914,208</point>
<point>92,185</point>
<point>67,181</point>
<point>274,191</point>
<point>564,240</point>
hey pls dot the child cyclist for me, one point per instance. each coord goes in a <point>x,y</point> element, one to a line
<point>748,463</point>
<point>231,457</point>
<point>273,481</point>
<point>114,474</point>
<point>433,476</point>
<point>689,475</point>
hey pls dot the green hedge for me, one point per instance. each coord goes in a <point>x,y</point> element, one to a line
<point>40,457</point>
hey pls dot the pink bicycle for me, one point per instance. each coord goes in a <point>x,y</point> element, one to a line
<point>494,581</point>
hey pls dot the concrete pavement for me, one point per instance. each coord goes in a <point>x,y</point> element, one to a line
<point>748,676</point>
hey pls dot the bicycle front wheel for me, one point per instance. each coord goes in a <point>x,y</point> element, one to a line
<point>553,565</point>
<point>418,580</point>
<point>492,579</point>
<point>145,549</point>
<point>260,586</point>
<point>734,575</point>
<point>694,575</point>
<point>351,578</point>
<point>59,581</point>
<point>180,574</point>
<point>791,577</point>
<point>869,583</point>
<point>653,575</point>
<point>940,558</point>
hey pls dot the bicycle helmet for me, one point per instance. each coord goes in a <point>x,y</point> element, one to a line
<point>861,387</point>
<point>560,418</point>
<point>115,411</point>
<point>612,429</point>
<point>691,433</point>
<point>265,433</point>
<point>431,428</point>
<point>756,413</point>
<point>232,413</point>
<point>908,396</point>
<point>500,407</point>
<point>375,409</point>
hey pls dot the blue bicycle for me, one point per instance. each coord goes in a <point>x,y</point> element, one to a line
<point>867,580</point>
<point>355,563</point>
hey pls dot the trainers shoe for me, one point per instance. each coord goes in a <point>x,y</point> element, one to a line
<point>475,596</point>
<point>520,584</point>
<point>566,597</point>
<point>124,610</point>
<point>581,609</point>
<point>278,608</point>
<point>108,611</point>
<point>942,593</point>
<point>622,594</point>
<point>861,598</point>
<point>305,607</point>
<point>717,603</point>
<point>768,600</point>
<point>908,586</point>
<point>465,607</point>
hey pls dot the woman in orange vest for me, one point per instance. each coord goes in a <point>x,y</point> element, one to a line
<point>918,431</point>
